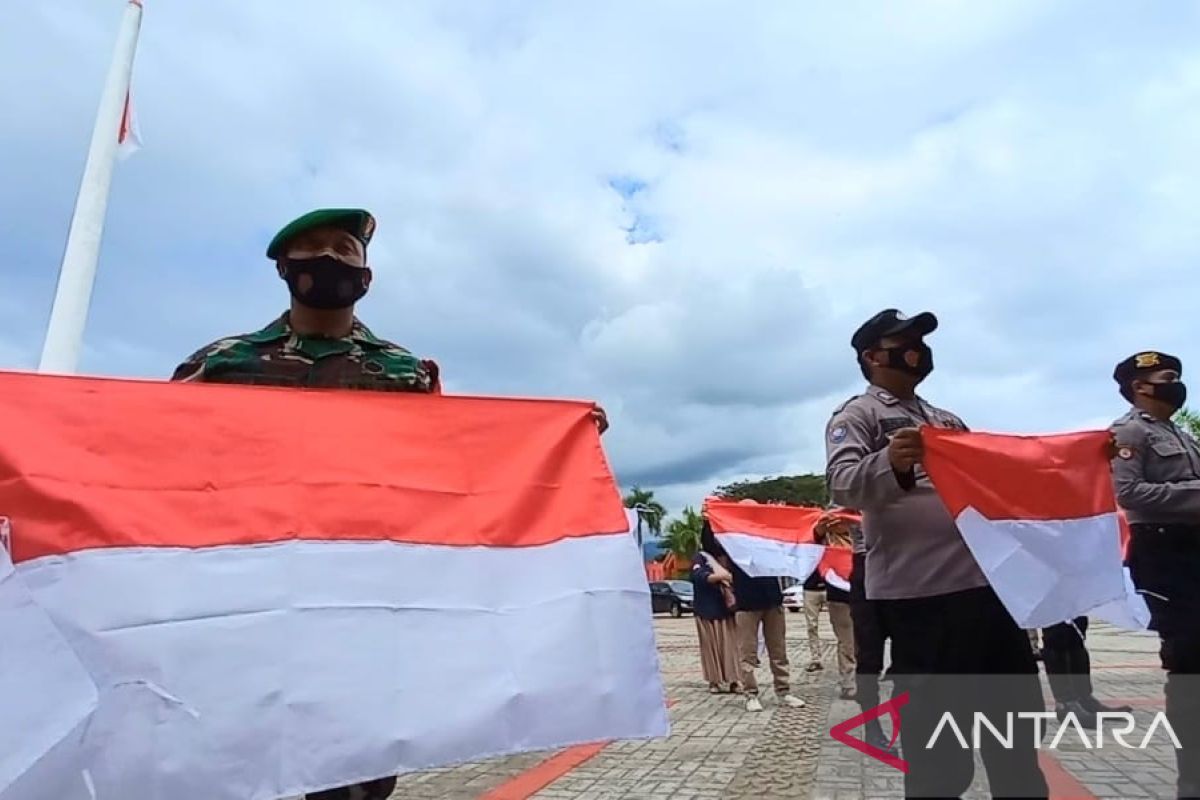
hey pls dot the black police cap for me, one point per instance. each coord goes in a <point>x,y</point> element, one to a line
<point>1145,363</point>
<point>891,322</point>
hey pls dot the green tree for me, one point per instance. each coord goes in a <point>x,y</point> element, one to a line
<point>1189,420</point>
<point>795,490</point>
<point>683,534</point>
<point>651,511</point>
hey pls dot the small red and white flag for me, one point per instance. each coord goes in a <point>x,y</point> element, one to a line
<point>278,591</point>
<point>836,567</point>
<point>767,540</point>
<point>1039,515</point>
<point>129,135</point>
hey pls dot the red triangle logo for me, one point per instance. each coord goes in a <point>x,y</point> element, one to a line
<point>892,707</point>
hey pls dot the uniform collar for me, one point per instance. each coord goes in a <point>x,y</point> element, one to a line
<point>887,397</point>
<point>1135,412</point>
<point>281,329</point>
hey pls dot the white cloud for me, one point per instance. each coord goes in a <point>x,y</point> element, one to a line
<point>1024,169</point>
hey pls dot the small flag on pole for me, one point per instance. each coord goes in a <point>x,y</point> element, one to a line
<point>129,137</point>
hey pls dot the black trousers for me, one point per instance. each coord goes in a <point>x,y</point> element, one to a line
<point>1065,656</point>
<point>962,655</point>
<point>1164,561</point>
<point>869,637</point>
<point>378,789</point>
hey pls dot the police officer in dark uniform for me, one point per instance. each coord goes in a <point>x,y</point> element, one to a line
<point>955,648</point>
<point>1156,473</point>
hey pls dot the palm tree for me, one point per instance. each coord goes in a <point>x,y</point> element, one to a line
<point>683,534</point>
<point>649,509</point>
<point>1189,420</point>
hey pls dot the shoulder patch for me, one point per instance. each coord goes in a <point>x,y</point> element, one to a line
<point>837,434</point>
<point>1125,453</point>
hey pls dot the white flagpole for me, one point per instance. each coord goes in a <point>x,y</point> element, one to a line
<point>64,335</point>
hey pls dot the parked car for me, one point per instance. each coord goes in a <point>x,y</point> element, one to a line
<point>673,597</point>
<point>793,597</point>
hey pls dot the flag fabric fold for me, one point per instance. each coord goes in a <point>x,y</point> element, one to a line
<point>45,691</point>
<point>1039,515</point>
<point>281,590</point>
<point>1130,611</point>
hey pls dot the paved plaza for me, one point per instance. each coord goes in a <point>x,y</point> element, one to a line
<point>718,750</point>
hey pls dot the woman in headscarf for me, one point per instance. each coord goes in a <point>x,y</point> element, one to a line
<point>715,612</point>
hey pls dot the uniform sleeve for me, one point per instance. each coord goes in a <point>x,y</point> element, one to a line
<point>435,375</point>
<point>857,477</point>
<point>192,369</point>
<point>700,569</point>
<point>1134,492</point>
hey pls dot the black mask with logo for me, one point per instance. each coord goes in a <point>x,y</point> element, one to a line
<point>1173,394</point>
<point>915,359</point>
<point>334,284</point>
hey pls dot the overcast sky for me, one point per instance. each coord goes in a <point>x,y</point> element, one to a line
<point>679,209</point>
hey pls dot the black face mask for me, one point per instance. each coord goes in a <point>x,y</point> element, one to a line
<point>1173,394</point>
<point>335,284</point>
<point>915,359</point>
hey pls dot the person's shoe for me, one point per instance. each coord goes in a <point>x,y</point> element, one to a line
<point>1090,703</point>
<point>814,666</point>
<point>791,701</point>
<point>735,688</point>
<point>753,703</point>
<point>849,693</point>
<point>873,735</point>
<point>714,688</point>
<point>1084,717</point>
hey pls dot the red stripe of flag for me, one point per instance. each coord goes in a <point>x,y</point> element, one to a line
<point>87,462</point>
<point>1060,477</point>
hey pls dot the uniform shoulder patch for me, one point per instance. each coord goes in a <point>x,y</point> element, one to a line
<point>1125,452</point>
<point>837,434</point>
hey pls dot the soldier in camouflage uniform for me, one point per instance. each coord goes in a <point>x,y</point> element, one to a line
<point>319,342</point>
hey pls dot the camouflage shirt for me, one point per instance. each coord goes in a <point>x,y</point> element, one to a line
<point>278,356</point>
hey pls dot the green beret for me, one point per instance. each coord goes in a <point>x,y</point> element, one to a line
<point>355,221</point>
<point>1143,364</point>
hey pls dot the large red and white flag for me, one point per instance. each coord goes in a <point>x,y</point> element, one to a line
<point>767,540</point>
<point>275,591</point>
<point>1039,515</point>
